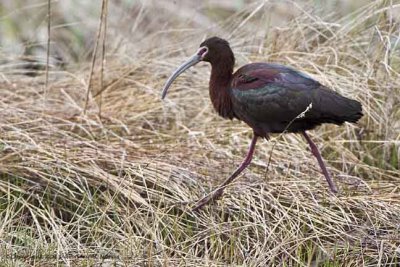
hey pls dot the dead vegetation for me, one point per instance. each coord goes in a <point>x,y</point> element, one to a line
<point>115,185</point>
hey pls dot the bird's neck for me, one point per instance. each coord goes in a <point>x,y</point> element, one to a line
<point>220,83</point>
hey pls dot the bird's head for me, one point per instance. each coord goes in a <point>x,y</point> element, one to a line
<point>212,50</point>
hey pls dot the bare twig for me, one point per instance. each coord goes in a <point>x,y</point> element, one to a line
<point>99,30</point>
<point>48,45</point>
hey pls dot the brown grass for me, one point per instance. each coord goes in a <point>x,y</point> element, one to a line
<point>84,189</point>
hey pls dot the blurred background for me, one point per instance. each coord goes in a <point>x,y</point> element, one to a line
<point>130,23</point>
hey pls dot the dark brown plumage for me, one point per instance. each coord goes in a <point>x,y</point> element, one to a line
<point>270,98</point>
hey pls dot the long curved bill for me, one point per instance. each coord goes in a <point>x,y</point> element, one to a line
<point>193,60</point>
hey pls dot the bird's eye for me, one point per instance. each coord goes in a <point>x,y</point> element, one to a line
<point>202,51</point>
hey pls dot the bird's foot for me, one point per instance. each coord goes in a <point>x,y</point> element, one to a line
<point>333,188</point>
<point>213,196</point>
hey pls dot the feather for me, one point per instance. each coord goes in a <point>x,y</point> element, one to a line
<point>270,97</point>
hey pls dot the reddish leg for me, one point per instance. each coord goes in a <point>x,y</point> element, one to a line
<point>316,153</point>
<point>218,192</point>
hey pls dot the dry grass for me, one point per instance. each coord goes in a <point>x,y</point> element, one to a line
<point>112,188</point>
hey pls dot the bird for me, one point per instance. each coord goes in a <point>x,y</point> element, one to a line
<point>270,98</point>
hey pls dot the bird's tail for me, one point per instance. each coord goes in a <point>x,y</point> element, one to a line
<point>338,109</point>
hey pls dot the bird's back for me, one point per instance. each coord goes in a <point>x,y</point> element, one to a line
<point>271,97</point>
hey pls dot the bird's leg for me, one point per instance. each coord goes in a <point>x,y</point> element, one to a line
<point>218,192</point>
<point>316,153</point>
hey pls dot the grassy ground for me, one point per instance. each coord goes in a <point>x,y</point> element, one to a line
<point>113,183</point>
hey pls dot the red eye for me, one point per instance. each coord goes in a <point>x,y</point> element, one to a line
<point>202,51</point>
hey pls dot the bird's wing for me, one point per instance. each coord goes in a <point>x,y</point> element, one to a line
<point>273,93</point>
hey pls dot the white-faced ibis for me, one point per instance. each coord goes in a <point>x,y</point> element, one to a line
<point>268,97</point>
